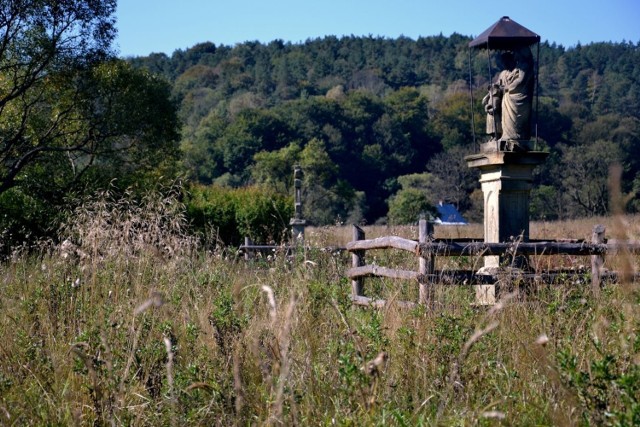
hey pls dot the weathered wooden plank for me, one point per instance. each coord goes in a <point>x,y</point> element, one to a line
<point>357,261</point>
<point>248,255</point>
<point>379,303</point>
<point>465,277</point>
<point>597,260</point>
<point>387,242</point>
<point>374,270</point>
<point>469,246</point>
<point>426,264</point>
<point>445,248</point>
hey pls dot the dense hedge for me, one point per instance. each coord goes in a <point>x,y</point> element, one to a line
<point>229,214</point>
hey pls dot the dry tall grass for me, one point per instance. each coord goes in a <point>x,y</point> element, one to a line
<point>130,323</point>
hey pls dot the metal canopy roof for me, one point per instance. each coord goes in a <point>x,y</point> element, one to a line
<point>504,35</point>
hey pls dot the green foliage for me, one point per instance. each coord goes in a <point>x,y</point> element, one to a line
<point>273,169</point>
<point>43,79</point>
<point>413,200</point>
<point>608,389</point>
<point>347,146</point>
<point>327,198</point>
<point>408,206</point>
<point>73,118</point>
<point>585,171</point>
<point>137,127</point>
<point>385,107</point>
<point>546,203</point>
<point>418,181</point>
<point>228,215</point>
<point>452,120</point>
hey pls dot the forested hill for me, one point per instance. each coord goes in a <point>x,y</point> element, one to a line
<point>377,122</point>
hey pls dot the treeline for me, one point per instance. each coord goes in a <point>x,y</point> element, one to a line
<point>372,120</point>
<point>379,126</point>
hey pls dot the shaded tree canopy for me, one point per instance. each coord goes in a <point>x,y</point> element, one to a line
<point>73,117</point>
<point>44,45</point>
<point>383,108</point>
<point>67,106</point>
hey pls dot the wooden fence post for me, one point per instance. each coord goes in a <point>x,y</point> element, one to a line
<point>357,260</point>
<point>248,253</point>
<point>597,261</point>
<point>426,263</point>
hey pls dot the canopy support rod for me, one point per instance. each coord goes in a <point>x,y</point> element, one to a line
<point>473,118</point>
<point>495,125</point>
<point>537,93</point>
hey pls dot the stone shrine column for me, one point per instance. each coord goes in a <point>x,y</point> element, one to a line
<point>506,178</point>
<point>298,223</point>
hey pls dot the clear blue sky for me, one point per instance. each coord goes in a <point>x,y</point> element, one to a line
<point>146,26</point>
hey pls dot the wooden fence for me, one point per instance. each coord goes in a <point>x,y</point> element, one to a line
<point>427,248</point>
<point>249,249</point>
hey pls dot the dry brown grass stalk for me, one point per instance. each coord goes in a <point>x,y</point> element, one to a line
<point>284,339</point>
<point>237,380</point>
<point>105,226</point>
<point>474,339</point>
<point>496,415</point>
<point>169,367</point>
<point>374,369</point>
<point>102,400</point>
<point>271,300</point>
<point>155,300</point>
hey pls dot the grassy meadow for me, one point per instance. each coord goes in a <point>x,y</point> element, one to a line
<point>132,322</point>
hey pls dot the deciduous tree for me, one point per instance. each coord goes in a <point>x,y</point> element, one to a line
<point>72,116</point>
<point>45,47</point>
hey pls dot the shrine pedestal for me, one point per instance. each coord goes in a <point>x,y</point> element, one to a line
<point>506,179</point>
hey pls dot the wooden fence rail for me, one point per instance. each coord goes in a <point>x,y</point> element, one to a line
<point>453,248</point>
<point>427,248</point>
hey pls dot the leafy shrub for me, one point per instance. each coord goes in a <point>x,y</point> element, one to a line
<point>607,394</point>
<point>232,214</point>
<point>606,385</point>
<point>408,205</point>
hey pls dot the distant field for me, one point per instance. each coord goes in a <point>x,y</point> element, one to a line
<point>572,229</point>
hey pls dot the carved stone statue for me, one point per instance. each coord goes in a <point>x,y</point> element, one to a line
<point>492,104</point>
<point>508,103</point>
<point>297,184</point>
<point>517,96</point>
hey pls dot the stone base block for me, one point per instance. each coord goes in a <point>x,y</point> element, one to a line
<point>485,294</point>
